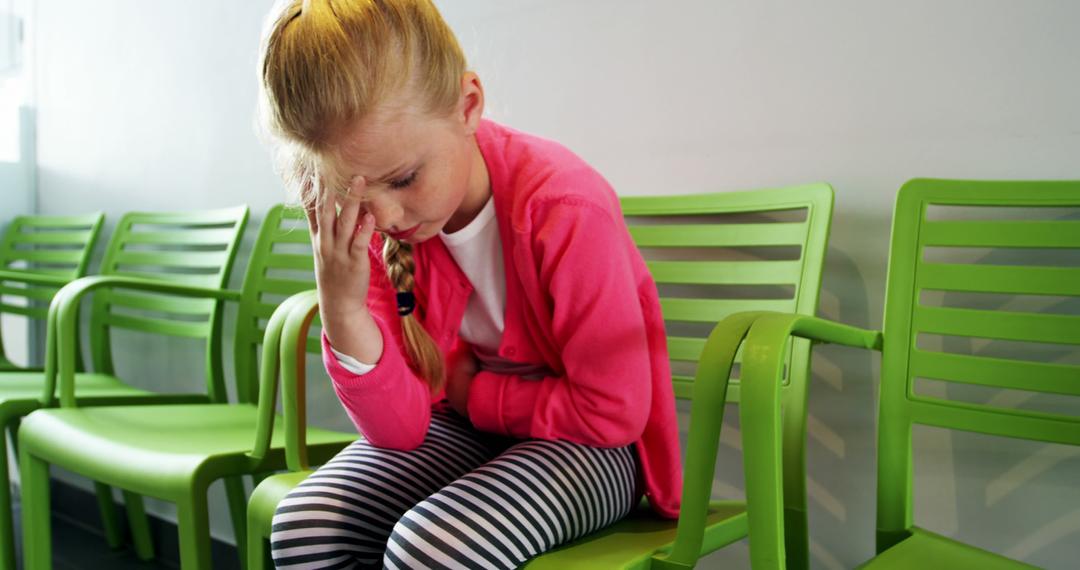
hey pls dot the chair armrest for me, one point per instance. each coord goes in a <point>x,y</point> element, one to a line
<point>293,380</point>
<point>761,422</point>
<point>706,419</point>
<point>61,339</point>
<point>284,348</point>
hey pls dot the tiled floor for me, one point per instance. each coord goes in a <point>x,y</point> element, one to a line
<point>78,542</point>
<point>76,547</point>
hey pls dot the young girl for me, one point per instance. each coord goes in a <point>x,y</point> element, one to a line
<point>488,324</point>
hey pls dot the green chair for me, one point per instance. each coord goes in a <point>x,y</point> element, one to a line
<point>38,255</point>
<point>175,451</point>
<point>297,314</point>
<point>195,247</point>
<point>917,277</point>
<point>772,243</point>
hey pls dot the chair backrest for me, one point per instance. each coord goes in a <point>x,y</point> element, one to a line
<point>981,279</point>
<point>191,248</point>
<point>58,246</point>
<point>281,265</point>
<point>712,255</point>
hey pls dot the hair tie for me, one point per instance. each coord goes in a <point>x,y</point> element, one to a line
<point>406,302</point>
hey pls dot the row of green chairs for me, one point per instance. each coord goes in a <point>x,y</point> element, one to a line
<point>174,451</point>
<point>763,290</point>
<point>169,446</point>
<point>40,254</point>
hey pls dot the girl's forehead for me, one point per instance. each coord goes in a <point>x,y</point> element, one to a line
<point>360,193</point>
<point>379,138</point>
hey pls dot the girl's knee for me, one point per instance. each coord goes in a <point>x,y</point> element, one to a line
<point>408,548</point>
<point>316,528</point>
<point>428,536</point>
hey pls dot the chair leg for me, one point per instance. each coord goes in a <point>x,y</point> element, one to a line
<point>110,521</point>
<point>236,495</point>
<point>7,530</point>
<point>796,539</point>
<point>258,547</point>
<point>13,429</point>
<point>257,478</point>
<point>194,522</point>
<point>140,526</point>
<point>37,539</point>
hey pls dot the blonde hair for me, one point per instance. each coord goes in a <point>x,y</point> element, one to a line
<point>327,64</point>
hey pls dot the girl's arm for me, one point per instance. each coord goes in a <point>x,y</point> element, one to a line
<point>389,405</point>
<point>340,243</point>
<point>604,397</point>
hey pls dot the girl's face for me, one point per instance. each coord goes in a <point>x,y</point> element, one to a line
<point>418,174</point>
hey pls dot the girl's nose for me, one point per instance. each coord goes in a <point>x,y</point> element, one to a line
<point>387,216</point>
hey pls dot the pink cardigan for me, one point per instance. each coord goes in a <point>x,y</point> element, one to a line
<point>579,300</point>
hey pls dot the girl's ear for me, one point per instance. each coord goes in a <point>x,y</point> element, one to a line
<point>471,107</point>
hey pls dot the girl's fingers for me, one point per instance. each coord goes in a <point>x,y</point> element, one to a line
<point>364,230</point>
<point>327,212</point>
<point>346,222</point>
<point>356,221</point>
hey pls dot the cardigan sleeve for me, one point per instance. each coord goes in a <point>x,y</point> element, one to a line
<point>603,398</point>
<point>389,405</point>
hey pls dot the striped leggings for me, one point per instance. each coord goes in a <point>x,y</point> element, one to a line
<point>463,499</point>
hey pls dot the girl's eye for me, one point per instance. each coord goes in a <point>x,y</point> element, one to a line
<point>404,182</point>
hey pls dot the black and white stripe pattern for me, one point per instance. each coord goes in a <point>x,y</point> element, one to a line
<point>463,499</point>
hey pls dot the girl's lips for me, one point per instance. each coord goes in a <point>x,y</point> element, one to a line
<point>405,234</point>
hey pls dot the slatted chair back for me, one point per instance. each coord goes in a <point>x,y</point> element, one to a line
<point>55,247</point>
<point>982,276</point>
<point>712,255</point>
<point>191,248</point>
<point>281,265</point>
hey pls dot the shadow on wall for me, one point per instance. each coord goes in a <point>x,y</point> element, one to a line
<point>840,427</point>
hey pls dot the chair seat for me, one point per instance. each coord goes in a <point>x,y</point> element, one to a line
<point>156,450</point>
<point>264,499</point>
<point>632,542</point>
<point>925,549</point>
<point>23,389</point>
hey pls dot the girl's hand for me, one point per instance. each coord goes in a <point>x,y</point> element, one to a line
<point>340,242</point>
<point>458,382</point>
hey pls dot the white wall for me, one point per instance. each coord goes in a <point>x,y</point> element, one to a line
<point>16,198</point>
<point>149,105</point>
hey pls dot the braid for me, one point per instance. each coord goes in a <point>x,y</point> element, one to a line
<point>422,351</point>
